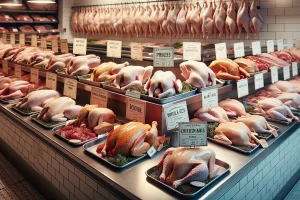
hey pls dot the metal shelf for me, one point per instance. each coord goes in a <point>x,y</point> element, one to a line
<point>27,22</point>
<point>31,11</point>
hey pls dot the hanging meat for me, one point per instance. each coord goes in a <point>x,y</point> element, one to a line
<point>171,20</point>
<point>207,22</point>
<point>256,22</point>
<point>230,22</point>
<point>220,17</point>
<point>181,20</point>
<point>243,19</point>
<point>195,19</point>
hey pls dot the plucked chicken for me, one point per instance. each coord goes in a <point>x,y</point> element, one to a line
<point>220,17</point>
<point>256,22</point>
<point>216,114</point>
<point>16,89</point>
<point>248,65</point>
<point>81,65</point>
<point>233,107</point>
<point>292,100</point>
<point>243,19</point>
<point>282,86</point>
<point>58,61</point>
<point>107,71</point>
<point>230,22</point>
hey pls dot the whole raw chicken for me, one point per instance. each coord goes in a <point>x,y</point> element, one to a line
<point>220,17</point>
<point>81,65</point>
<point>16,89</point>
<point>197,74</point>
<point>256,21</point>
<point>145,21</point>
<point>230,22</point>
<point>248,65</point>
<point>72,111</point>
<point>163,84</point>
<point>207,20</point>
<point>195,20</point>
<point>216,114</point>
<point>181,20</point>
<point>171,20</point>
<point>59,61</point>
<point>4,82</point>
<point>282,86</point>
<point>233,107</point>
<point>296,83</point>
<point>243,19</point>
<point>184,165</point>
<point>153,20</point>
<point>107,71</point>
<point>292,100</point>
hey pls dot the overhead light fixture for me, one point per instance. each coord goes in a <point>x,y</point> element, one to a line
<point>11,3</point>
<point>41,1</point>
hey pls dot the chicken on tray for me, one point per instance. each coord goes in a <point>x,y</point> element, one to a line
<point>216,114</point>
<point>81,65</point>
<point>16,89</point>
<point>233,107</point>
<point>282,86</point>
<point>107,71</point>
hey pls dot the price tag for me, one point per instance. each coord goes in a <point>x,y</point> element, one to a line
<point>290,43</point>
<point>99,97</point>
<point>12,39</point>
<point>151,151</point>
<point>210,98</point>
<point>270,46</point>
<point>136,51</point>
<point>239,50</point>
<point>18,71</point>
<point>15,30</point>
<point>51,80</point>
<point>221,51</point>
<point>64,47</point>
<point>176,113</point>
<point>279,44</point>
<point>43,42</point>
<point>259,81</point>
<point>114,48</point>
<point>33,40</point>
<point>70,88</point>
<point>79,46</point>
<point>163,57</point>
<point>192,134</point>
<point>34,75</point>
<point>134,94</point>
<point>4,38</point>
<point>191,51</point>
<point>274,74</point>
<point>5,66</point>
<point>136,110</point>
<point>286,73</point>
<point>295,68</point>
<point>22,39</point>
<point>54,45</point>
<point>242,88</point>
<point>256,48</point>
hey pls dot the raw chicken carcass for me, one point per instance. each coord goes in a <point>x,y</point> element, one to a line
<point>233,107</point>
<point>190,10</point>
<point>216,114</point>
<point>295,53</point>
<point>145,21</point>
<point>181,20</point>
<point>282,86</point>
<point>230,22</point>
<point>207,20</point>
<point>107,71</point>
<point>247,65</point>
<point>283,56</point>
<point>138,20</point>
<point>81,65</point>
<point>256,21</point>
<point>153,20</point>
<point>243,19</point>
<point>58,62</point>
<point>16,89</point>
<point>4,82</point>
<point>72,112</point>
<point>220,17</point>
<point>292,100</point>
<point>171,20</point>
<point>195,20</point>
<point>278,61</point>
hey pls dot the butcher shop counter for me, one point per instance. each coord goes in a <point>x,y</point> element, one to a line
<point>131,183</point>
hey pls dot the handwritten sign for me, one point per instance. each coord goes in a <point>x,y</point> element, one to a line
<point>18,71</point>
<point>191,51</point>
<point>34,75</point>
<point>163,57</point>
<point>256,48</point>
<point>210,98</point>
<point>136,50</point>
<point>242,88</point>
<point>270,46</point>
<point>290,43</point>
<point>286,73</point>
<point>51,80</point>
<point>221,51</point>
<point>70,88</point>
<point>12,38</point>
<point>258,81</point>
<point>4,38</point>
<point>64,47</point>
<point>99,97</point>
<point>22,39</point>
<point>239,50</point>
<point>192,134</point>
<point>136,110</point>
<point>274,74</point>
<point>295,68</point>
<point>5,67</point>
<point>114,48</point>
<point>43,42</point>
<point>176,113</point>
<point>279,44</point>
<point>79,46</point>
<point>33,40</point>
<point>54,45</point>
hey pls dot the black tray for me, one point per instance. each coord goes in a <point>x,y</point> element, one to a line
<point>45,124</point>
<point>22,112</point>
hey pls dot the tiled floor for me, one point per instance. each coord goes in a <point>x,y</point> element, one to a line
<point>13,186</point>
<point>294,193</point>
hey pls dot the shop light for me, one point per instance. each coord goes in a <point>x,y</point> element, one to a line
<point>41,1</point>
<point>11,3</point>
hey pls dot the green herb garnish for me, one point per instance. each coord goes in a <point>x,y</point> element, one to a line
<point>264,135</point>
<point>45,123</point>
<point>249,109</point>
<point>211,126</point>
<point>120,160</point>
<point>244,148</point>
<point>138,89</point>
<point>177,45</point>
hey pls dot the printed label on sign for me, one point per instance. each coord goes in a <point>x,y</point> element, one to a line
<point>79,46</point>
<point>43,42</point>
<point>256,48</point>
<point>15,30</point>
<point>4,38</point>
<point>279,44</point>
<point>51,80</point>
<point>210,98</point>
<point>270,46</point>
<point>163,57</point>
<point>295,68</point>
<point>221,51</point>
<point>274,74</point>
<point>151,151</point>
<point>136,51</point>
<point>242,88</point>
<point>176,113</point>
<point>259,81</point>
<point>114,48</point>
<point>134,94</point>
<point>5,67</point>
<point>54,44</point>
<point>22,39</point>
<point>18,71</point>
<point>33,40</point>
<point>192,134</point>
<point>64,47</point>
<point>191,51</point>
<point>286,73</point>
<point>70,88</point>
<point>136,110</point>
<point>98,97</point>
<point>239,50</point>
<point>34,75</point>
<point>12,38</point>
<point>290,43</point>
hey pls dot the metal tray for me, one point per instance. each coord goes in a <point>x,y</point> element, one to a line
<point>271,119</point>
<point>41,123</point>
<point>11,101</point>
<point>64,74</point>
<point>87,79</point>
<point>225,167</point>
<point>22,112</point>
<point>267,138</point>
<point>210,87</point>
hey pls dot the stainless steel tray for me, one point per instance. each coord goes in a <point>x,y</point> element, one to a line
<point>10,101</point>
<point>64,74</point>
<point>271,119</point>
<point>87,79</point>
<point>210,87</point>
<point>267,138</point>
<point>22,112</point>
<point>45,124</point>
<point>224,168</point>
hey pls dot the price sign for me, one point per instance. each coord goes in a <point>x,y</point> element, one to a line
<point>22,39</point>
<point>99,97</point>
<point>191,51</point>
<point>286,73</point>
<point>136,51</point>
<point>12,38</point>
<point>259,81</point>
<point>18,71</point>
<point>51,80</point>
<point>221,51</point>
<point>134,94</point>
<point>114,48</point>
<point>176,113</point>
<point>242,88</point>
<point>79,46</point>
<point>43,42</point>
<point>136,110</point>
<point>256,48</point>
<point>279,44</point>
<point>70,88</point>
<point>192,134</point>
<point>270,46</point>
<point>64,47</point>
<point>295,68</point>
<point>54,44</point>
<point>151,151</point>
<point>163,57</point>
<point>5,67</point>
<point>239,50</point>
<point>210,98</point>
<point>4,38</point>
<point>33,40</point>
<point>290,43</point>
<point>34,75</point>
<point>274,74</point>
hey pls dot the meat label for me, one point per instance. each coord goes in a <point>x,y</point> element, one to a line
<point>295,68</point>
<point>176,113</point>
<point>210,98</point>
<point>239,50</point>
<point>22,39</point>
<point>279,44</point>
<point>274,74</point>
<point>51,80</point>
<point>221,51</point>
<point>114,48</point>
<point>54,45</point>
<point>43,43</point>
<point>270,46</point>
<point>290,43</point>
<point>256,48</point>
<point>286,73</point>
<point>34,75</point>
<point>151,151</point>
<point>136,51</point>
<point>33,40</point>
<point>64,46</point>
<point>134,94</point>
<point>5,67</point>
<point>259,81</point>
<point>98,97</point>
<point>12,38</point>
<point>136,110</point>
<point>79,46</point>
<point>242,88</point>
<point>70,88</point>
<point>4,38</point>
<point>191,51</point>
<point>18,71</point>
<point>163,57</point>
<point>192,134</point>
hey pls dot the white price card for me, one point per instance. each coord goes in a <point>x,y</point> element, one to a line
<point>33,40</point>
<point>290,43</point>
<point>5,67</point>
<point>79,46</point>
<point>34,75</point>
<point>99,97</point>
<point>295,68</point>
<point>64,46</point>
<point>221,51</point>
<point>54,45</point>
<point>279,44</point>
<point>256,48</point>
<point>18,71</point>
<point>259,81</point>
<point>270,46</point>
<point>136,110</point>
<point>242,88</point>
<point>22,39</point>
<point>4,38</point>
<point>151,151</point>
<point>163,57</point>
<point>12,38</point>
<point>274,74</point>
<point>239,50</point>
<point>114,48</point>
<point>70,88</point>
<point>134,94</point>
<point>286,73</point>
<point>43,43</point>
<point>210,98</point>
<point>51,80</point>
<point>136,50</point>
<point>191,51</point>
<point>192,134</point>
<point>175,113</point>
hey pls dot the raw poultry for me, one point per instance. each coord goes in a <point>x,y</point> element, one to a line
<point>248,65</point>
<point>107,71</point>
<point>256,21</point>
<point>230,22</point>
<point>283,56</point>
<point>282,86</point>
<point>220,17</point>
<point>243,19</point>
<point>292,100</point>
<point>81,65</point>
<point>16,89</point>
<point>233,107</point>
<point>260,95</point>
<point>57,62</point>
<point>296,83</point>
<point>216,114</point>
